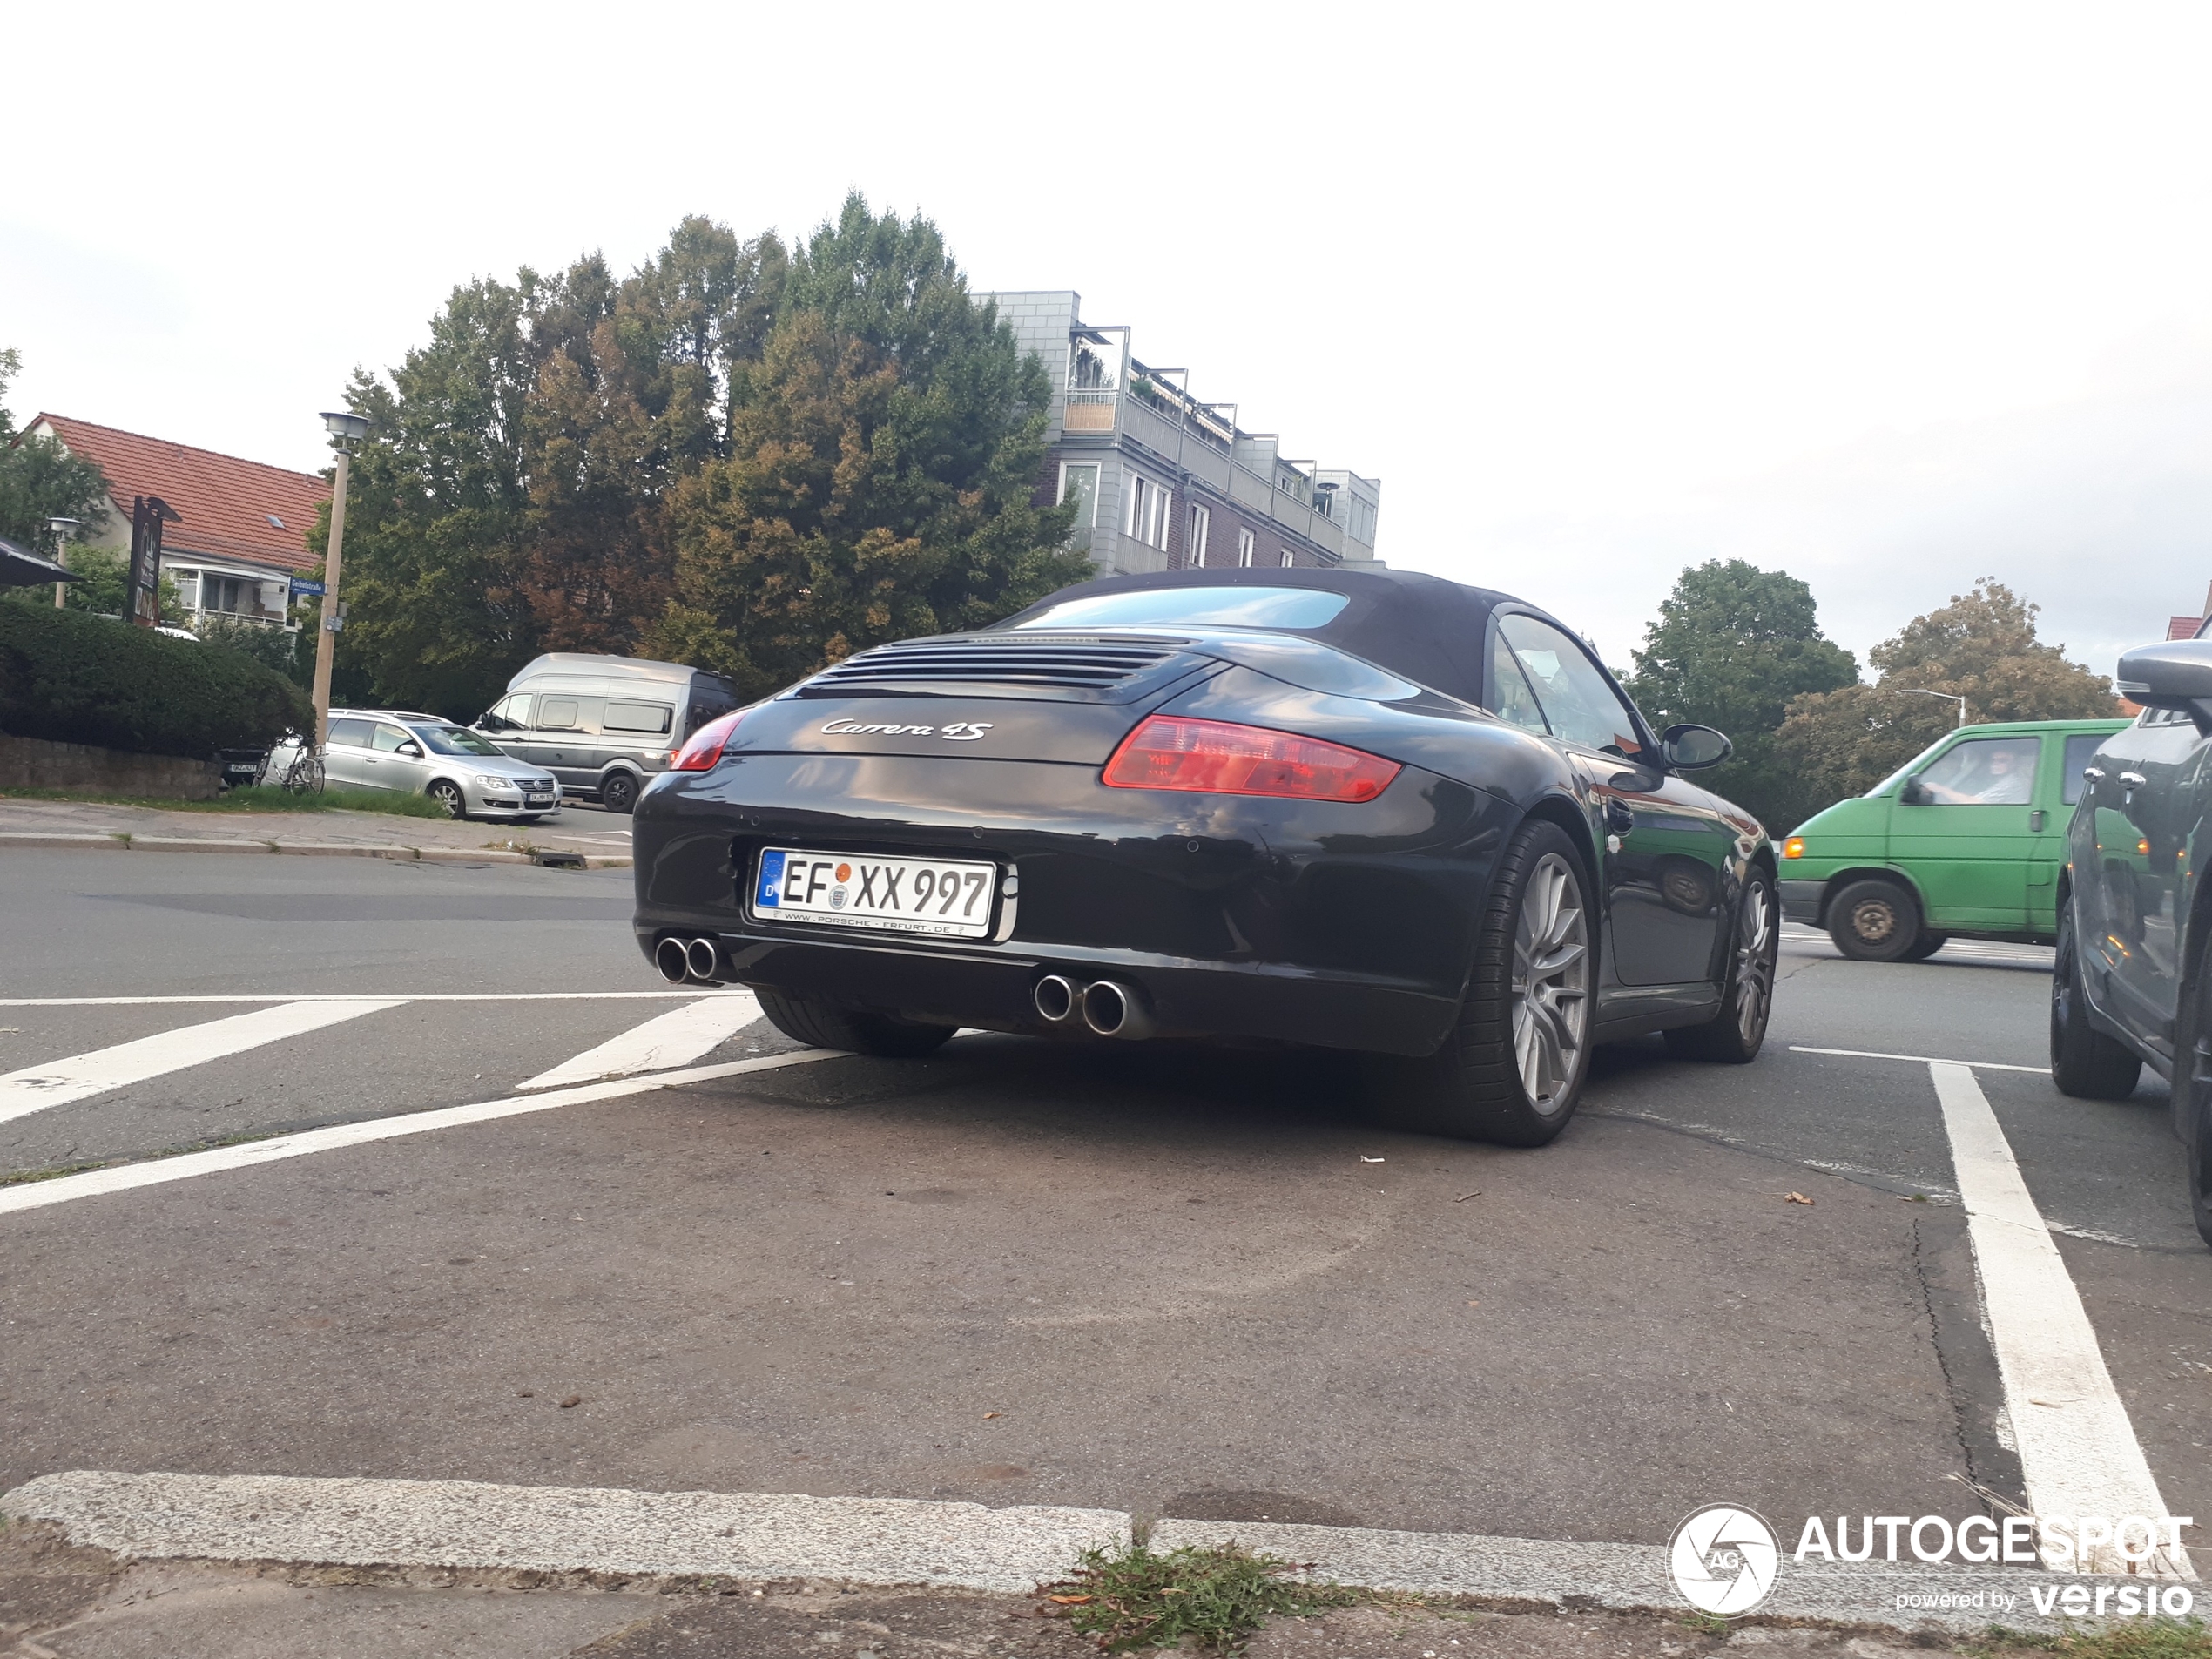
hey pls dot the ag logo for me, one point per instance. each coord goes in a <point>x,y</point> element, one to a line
<point>1723,1559</point>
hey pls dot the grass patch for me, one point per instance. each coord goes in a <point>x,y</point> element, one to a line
<point>2135,1639</point>
<point>1132,1598</point>
<point>258,798</point>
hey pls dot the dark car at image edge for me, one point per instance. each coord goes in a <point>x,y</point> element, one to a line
<point>1371,812</point>
<point>2132,979</point>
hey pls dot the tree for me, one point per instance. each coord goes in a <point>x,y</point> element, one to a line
<point>511,498</point>
<point>40,480</point>
<point>880,466</point>
<point>1732,646</point>
<point>1981,646</point>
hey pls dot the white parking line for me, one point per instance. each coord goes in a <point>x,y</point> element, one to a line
<point>1920,1059</point>
<point>2078,1450</point>
<point>673,991</point>
<point>675,1038</point>
<point>37,1087</point>
<point>36,1195</point>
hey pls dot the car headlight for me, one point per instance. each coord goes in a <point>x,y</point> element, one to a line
<point>493,780</point>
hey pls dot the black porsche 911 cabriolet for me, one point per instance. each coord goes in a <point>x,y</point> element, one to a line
<point>1368,811</point>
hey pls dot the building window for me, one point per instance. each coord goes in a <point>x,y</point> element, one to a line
<point>1079,484</point>
<point>1286,558</point>
<point>1245,543</point>
<point>1147,520</point>
<point>1194,547</point>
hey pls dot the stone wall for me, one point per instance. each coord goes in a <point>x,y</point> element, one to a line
<point>80,769</point>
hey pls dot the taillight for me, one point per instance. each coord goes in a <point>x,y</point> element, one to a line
<point>1216,757</point>
<point>704,747</point>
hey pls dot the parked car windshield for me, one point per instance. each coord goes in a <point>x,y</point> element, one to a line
<point>1198,607</point>
<point>453,740</point>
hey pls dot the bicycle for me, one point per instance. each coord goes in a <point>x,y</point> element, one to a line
<point>302,771</point>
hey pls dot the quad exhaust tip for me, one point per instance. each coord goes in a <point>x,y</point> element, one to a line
<point>1056,997</point>
<point>693,961</point>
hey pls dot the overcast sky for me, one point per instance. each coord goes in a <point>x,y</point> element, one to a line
<point>1890,297</point>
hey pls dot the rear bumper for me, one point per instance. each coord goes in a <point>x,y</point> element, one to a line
<point>1329,924</point>
<point>1801,901</point>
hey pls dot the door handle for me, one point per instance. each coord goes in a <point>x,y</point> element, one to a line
<point>2036,821</point>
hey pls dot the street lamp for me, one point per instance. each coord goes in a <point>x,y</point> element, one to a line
<point>62,529</point>
<point>346,429</point>
<point>1910,691</point>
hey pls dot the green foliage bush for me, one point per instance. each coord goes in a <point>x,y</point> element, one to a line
<point>69,678</point>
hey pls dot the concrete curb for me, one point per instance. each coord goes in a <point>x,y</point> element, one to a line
<point>747,1536</point>
<point>458,1523</point>
<point>122,841</point>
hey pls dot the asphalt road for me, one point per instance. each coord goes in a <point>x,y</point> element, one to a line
<point>1183,1284</point>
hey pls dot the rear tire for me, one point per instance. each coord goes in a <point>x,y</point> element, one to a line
<point>1925,947</point>
<point>618,792</point>
<point>2193,1092</point>
<point>1874,920</point>
<point>1733,1037</point>
<point>823,1025</point>
<point>2085,1063</point>
<point>1511,1069</point>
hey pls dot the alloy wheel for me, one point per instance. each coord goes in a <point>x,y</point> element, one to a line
<point>1754,961</point>
<point>1551,971</point>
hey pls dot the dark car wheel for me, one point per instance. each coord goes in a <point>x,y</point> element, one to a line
<point>1874,920</point>
<point>1511,1069</point>
<point>1925,947</point>
<point>1734,1036</point>
<point>448,794</point>
<point>822,1025</point>
<point>2085,1063</point>
<point>618,792</point>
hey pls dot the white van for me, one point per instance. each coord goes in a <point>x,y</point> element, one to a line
<point>603,724</point>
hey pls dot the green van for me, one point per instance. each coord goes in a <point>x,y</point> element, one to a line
<point>1967,839</point>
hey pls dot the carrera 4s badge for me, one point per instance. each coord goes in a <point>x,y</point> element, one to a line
<point>958,731</point>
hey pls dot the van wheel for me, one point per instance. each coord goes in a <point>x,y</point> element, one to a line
<point>823,1025</point>
<point>618,792</point>
<point>1925,947</point>
<point>1874,920</point>
<point>448,794</point>
<point>2085,1063</point>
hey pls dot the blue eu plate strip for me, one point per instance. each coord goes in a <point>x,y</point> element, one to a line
<point>768,896</point>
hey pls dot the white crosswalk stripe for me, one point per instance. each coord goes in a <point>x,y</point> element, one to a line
<point>36,1089</point>
<point>675,1038</point>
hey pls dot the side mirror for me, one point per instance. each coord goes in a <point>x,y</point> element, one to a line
<point>1693,748</point>
<point>2174,675</point>
<point>414,749</point>
<point>1915,793</point>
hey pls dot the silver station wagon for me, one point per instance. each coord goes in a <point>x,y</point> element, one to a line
<point>420,755</point>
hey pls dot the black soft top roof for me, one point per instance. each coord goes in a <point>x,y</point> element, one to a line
<point>1421,626</point>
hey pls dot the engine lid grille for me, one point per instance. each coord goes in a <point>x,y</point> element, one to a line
<point>1083,665</point>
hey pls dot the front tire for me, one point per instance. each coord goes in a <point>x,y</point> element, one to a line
<point>1874,920</point>
<point>2193,1093</point>
<point>618,792</point>
<point>448,794</point>
<point>1735,1036</point>
<point>823,1025</point>
<point>1511,1071</point>
<point>1925,947</point>
<point>2085,1063</point>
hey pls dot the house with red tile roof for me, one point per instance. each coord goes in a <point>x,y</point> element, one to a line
<point>240,532</point>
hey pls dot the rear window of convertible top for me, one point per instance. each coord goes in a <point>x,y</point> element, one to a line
<point>1197,607</point>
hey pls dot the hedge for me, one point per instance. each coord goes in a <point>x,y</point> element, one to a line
<point>70,677</point>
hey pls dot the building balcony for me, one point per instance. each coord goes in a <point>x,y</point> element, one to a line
<point>1089,409</point>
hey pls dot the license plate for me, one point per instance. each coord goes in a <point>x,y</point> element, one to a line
<point>541,800</point>
<point>945,898</point>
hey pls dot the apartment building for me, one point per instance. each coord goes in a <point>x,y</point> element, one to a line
<point>1163,481</point>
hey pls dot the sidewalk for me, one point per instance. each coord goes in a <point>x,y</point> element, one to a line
<point>600,840</point>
